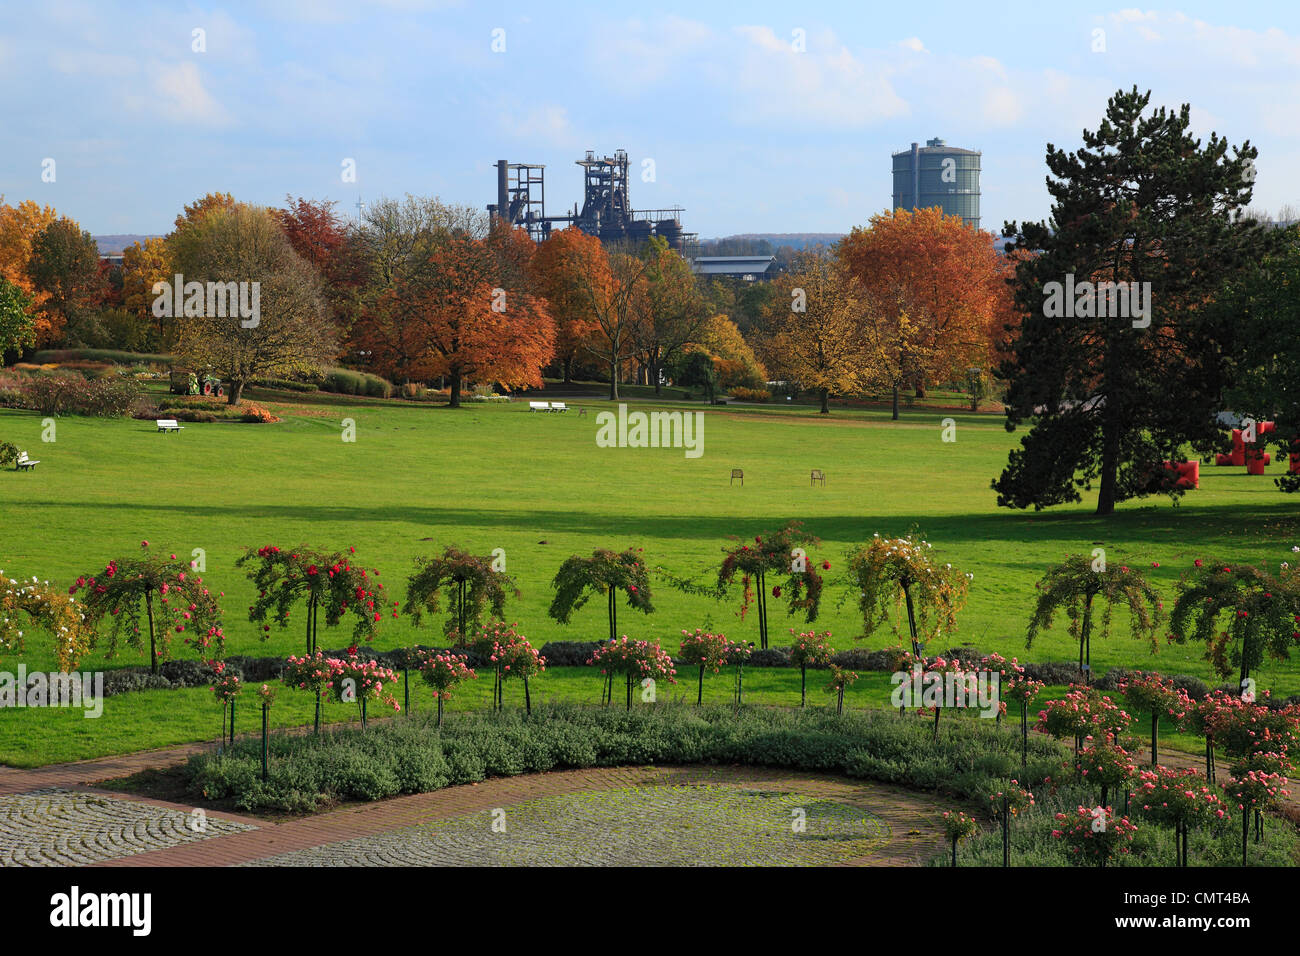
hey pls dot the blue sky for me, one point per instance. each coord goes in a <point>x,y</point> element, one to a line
<point>746,133</point>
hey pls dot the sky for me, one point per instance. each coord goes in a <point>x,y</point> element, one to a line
<point>757,117</point>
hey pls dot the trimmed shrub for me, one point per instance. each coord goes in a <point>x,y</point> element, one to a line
<point>69,394</point>
<point>314,772</point>
<point>742,394</point>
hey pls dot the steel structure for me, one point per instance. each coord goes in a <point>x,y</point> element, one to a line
<point>606,211</point>
<point>938,175</point>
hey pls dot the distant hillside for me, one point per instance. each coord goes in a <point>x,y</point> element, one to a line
<point>795,240</point>
<point>113,244</point>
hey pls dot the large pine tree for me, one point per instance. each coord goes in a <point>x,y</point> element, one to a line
<point>1109,398</point>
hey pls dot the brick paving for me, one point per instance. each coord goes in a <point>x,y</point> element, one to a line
<point>894,827</point>
<point>69,828</point>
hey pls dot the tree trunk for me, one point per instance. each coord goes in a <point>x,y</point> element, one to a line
<point>153,646</point>
<point>613,380</point>
<point>654,374</point>
<point>1109,468</point>
<point>454,380</point>
<point>567,364</point>
<point>826,406</point>
<point>895,415</point>
<point>236,392</point>
<point>919,390</point>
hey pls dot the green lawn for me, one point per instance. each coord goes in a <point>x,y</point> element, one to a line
<point>420,477</point>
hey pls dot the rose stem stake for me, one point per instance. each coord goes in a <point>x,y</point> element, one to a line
<point>363,712</point>
<point>803,686</point>
<point>762,608</point>
<point>1006,833</point>
<point>699,696</point>
<point>406,688</point>
<point>528,701</point>
<point>1085,641</point>
<point>439,708</point>
<point>1024,733</point>
<point>954,851</point>
<point>232,722</point>
<point>264,729</point>
<point>629,691</point>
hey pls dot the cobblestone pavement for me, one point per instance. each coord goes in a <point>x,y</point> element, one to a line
<point>56,827</point>
<point>689,825</point>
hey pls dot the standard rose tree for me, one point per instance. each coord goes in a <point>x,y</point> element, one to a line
<point>896,573</point>
<point>1241,613</point>
<point>783,556</point>
<point>474,588</point>
<point>27,604</point>
<point>1075,585</point>
<point>604,573</point>
<point>173,598</point>
<point>332,582</point>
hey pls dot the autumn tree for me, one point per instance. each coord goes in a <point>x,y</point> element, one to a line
<point>289,332</point>
<point>558,267</point>
<point>611,292</point>
<point>64,267</point>
<point>19,227</point>
<point>465,312</point>
<point>144,265</point>
<point>939,273</point>
<point>673,310</point>
<point>818,334</point>
<point>1117,378</point>
<point>194,212</point>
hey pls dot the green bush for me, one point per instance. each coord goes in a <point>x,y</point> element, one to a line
<point>346,381</point>
<point>113,356</point>
<point>63,393</point>
<point>411,754</point>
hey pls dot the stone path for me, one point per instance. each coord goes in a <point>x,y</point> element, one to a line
<point>608,816</point>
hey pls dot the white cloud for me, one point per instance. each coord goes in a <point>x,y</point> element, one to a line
<point>547,124</point>
<point>826,85</point>
<point>177,94</point>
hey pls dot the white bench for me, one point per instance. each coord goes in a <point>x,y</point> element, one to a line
<point>168,425</point>
<point>538,407</point>
<point>559,407</point>
<point>23,463</point>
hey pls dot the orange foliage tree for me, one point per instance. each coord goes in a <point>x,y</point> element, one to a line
<point>19,227</point>
<point>559,269</point>
<point>943,275</point>
<point>466,313</point>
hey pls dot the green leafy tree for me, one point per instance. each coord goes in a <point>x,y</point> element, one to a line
<point>604,573</point>
<point>473,584</point>
<point>173,598</point>
<point>1076,584</point>
<point>1142,202</point>
<point>896,573</point>
<point>782,554</point>
<point>1261,611</point>
<point>17,327</point>
<point>1260,313</point>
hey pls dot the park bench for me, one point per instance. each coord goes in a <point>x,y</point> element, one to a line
<point>559,407</point>
<point>818,475</point>
<point>538,407</point>
<point>168,425</point>
<point>737,473</point>
<point>23,463</point>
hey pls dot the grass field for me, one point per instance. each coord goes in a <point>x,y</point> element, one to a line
<point>419,477</point>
